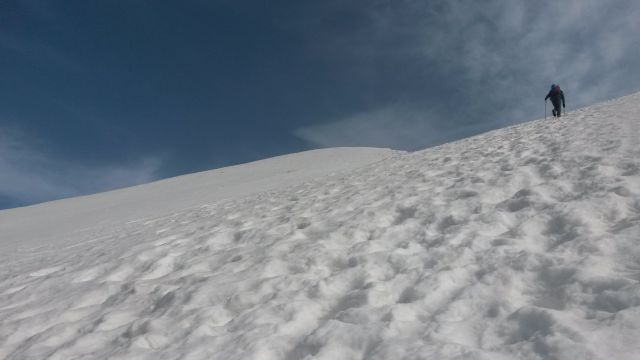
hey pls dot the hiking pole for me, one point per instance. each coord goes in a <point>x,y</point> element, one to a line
<point>545,109</point>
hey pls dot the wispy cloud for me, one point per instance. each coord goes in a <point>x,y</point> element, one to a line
<point>494,61</point>
<point>395,126</point>
<point>29,175</point>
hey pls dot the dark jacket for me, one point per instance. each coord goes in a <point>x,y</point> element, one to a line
<point>556,95</point>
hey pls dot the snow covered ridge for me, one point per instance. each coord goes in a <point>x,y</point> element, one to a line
<point>521,243</point>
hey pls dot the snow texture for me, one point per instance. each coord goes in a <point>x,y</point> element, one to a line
<point>52,222</point>
<point>521,243</point>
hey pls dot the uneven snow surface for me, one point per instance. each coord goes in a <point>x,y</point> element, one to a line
<point>521,243</point>
<point>56,221</point>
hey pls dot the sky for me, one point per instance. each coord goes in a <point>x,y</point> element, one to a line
<point>97,95</point>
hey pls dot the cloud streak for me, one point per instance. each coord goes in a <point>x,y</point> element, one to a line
<point>396,126</point>
<point>29,175</point>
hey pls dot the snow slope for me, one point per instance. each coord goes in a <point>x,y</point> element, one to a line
<point>87,216</point>
<point>521,243</point>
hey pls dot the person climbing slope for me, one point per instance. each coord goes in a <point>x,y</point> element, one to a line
<point>556,95</point>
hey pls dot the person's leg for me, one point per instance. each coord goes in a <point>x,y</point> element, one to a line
<point>556,108</point>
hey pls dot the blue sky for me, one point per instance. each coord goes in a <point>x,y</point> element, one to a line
<point>96,95</point>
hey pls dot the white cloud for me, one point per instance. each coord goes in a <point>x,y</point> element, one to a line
<point>29,175</point>
<point>397,126</point>
<point>499,56</point>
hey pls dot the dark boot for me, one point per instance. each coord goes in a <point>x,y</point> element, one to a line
<point>553,112</point>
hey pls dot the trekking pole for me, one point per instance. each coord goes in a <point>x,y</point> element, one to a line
<point>545,109</point>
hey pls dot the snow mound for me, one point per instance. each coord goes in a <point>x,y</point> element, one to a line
<point>521,243</point>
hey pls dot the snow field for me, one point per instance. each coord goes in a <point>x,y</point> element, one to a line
<point>80,219</point>
<point>521,243</point>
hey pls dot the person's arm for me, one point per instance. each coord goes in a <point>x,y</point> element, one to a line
<point>548,95</point>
